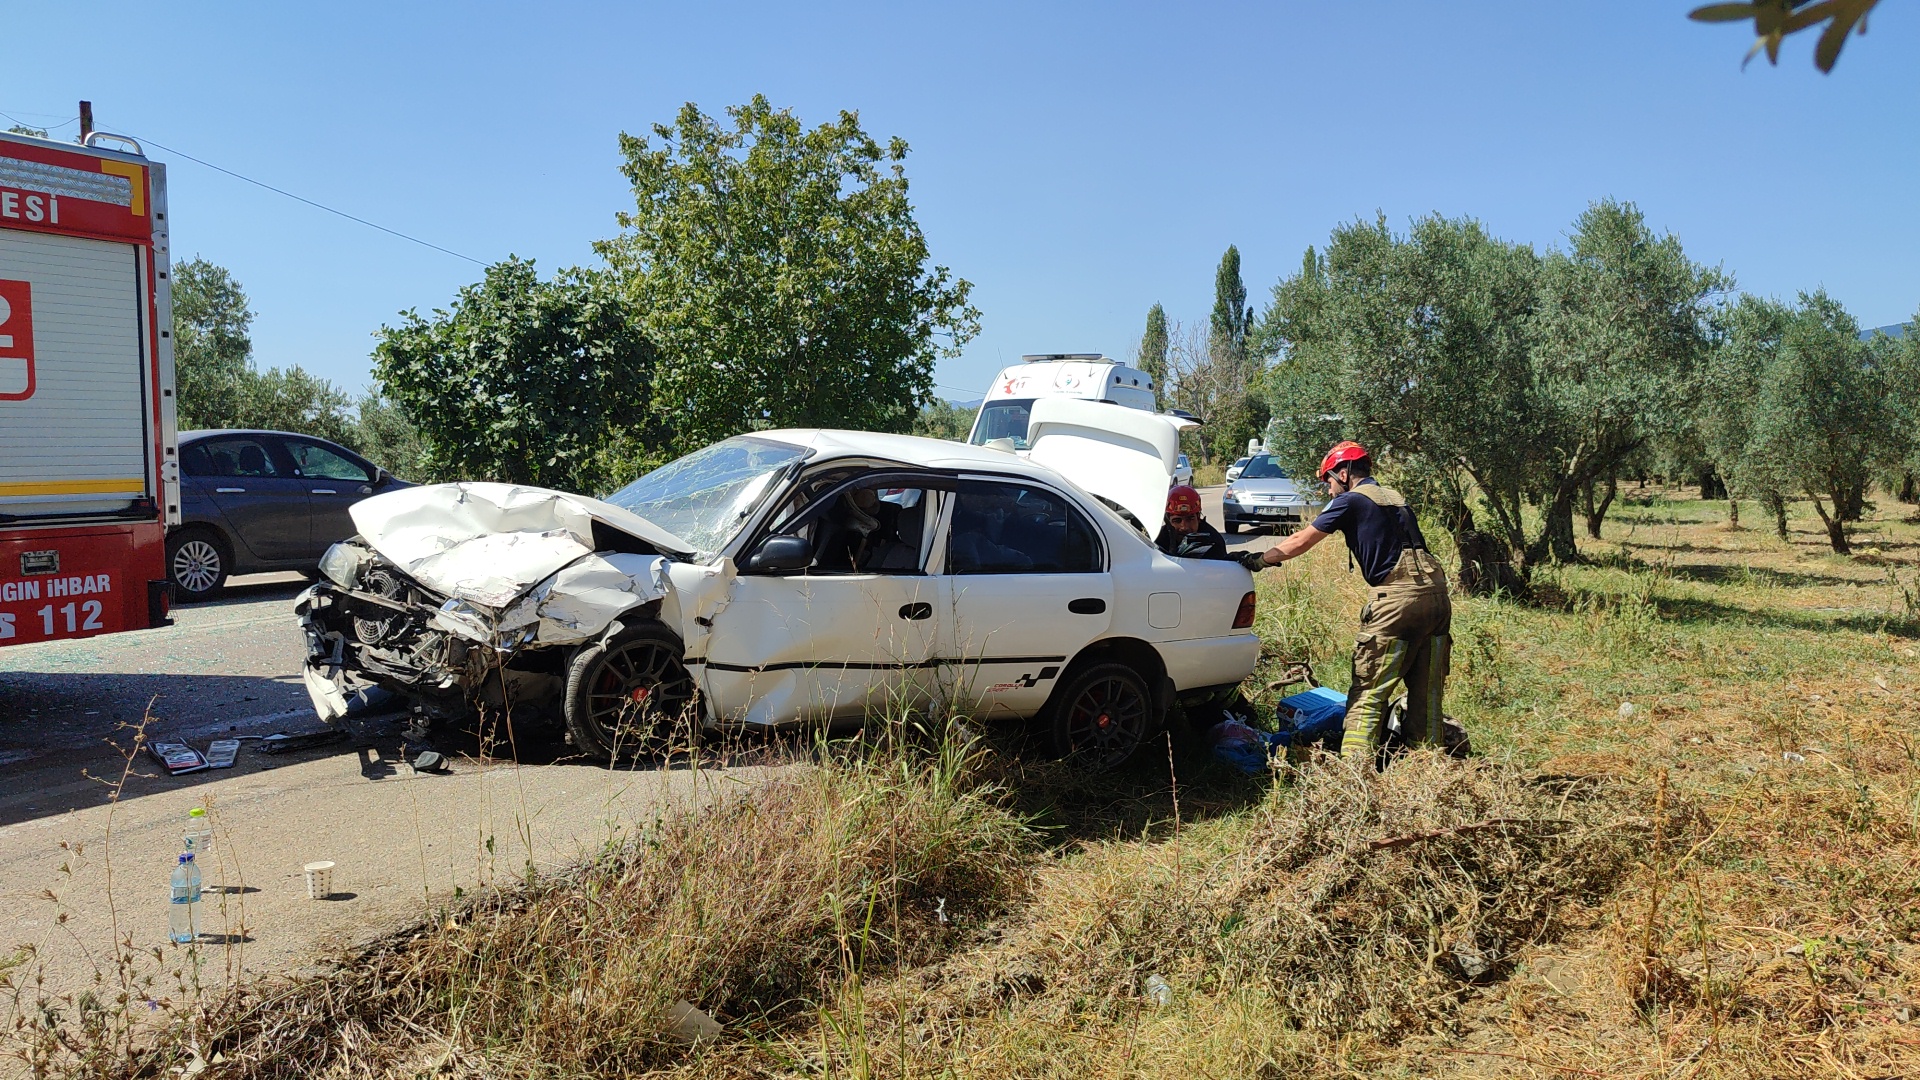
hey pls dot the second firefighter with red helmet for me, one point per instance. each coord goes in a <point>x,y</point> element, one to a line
<point>1186,534</point>
<point>1405,634</point>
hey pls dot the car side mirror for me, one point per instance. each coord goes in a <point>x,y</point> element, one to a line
<point>777,553</point>
<point>380,475</point>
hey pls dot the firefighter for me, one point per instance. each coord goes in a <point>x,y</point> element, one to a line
<point>1186,534</point>
<point>1405,627</point>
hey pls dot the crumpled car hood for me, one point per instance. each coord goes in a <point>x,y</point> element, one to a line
<point>488,543</point>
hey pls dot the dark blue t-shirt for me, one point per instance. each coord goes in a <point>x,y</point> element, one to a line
<point>1374,533</point>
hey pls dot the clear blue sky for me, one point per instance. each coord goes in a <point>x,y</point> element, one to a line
<point>1077,163</point>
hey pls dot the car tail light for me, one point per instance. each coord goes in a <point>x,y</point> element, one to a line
<point>1244,617</point>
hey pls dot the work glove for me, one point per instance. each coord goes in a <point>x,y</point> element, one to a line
<point>1252,560</point>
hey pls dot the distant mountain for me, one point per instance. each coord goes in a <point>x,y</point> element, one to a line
<point>970,406</point>
<point>1895,331</point>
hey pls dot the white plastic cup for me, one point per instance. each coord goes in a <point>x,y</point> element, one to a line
<point>319,880</point>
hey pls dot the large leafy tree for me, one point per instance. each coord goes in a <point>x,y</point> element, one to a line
<point>1824,418</point>
<point>527,381</point>
<point>1418,347</point>
<point>1154,346</point>
<point>1729,384</point>
<point>1623,321</point>
<point>212,344</point>
<point>1900,359</point>
<point>782,275</point>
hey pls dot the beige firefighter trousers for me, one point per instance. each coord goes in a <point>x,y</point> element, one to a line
<point>1405,640</point>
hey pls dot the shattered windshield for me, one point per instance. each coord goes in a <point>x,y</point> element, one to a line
<point>705,497</point>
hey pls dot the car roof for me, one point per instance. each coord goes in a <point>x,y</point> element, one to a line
<point>829,443</point>
<point>207,433</point>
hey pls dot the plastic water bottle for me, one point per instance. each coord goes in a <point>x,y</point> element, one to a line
<point>183,914</point>
<point>199,835</point>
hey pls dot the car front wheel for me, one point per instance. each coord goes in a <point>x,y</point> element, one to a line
<point>1103,715</point>
<point>197,564</point>
<point>626,697</point>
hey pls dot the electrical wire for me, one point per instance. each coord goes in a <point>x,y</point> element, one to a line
<point>51,127</point>
<point>296,198</point>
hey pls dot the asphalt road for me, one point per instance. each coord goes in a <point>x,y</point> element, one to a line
<point>80,867</point>
<point>403,842</point>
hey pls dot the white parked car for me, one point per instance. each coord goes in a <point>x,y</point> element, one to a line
<point>1234,470</point>
<point>1183,471</point>
<point>1264,496</point>
<point>789,577</point>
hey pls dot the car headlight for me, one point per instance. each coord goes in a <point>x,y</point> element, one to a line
<point>1230,495</point>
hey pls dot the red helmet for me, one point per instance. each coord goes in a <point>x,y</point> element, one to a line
<point>1342,452</point>
<point>1182,499</point>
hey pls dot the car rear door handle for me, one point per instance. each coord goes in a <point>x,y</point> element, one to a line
<point>325,491</point>
<point>229,491</point>
<point>1087,605</point>
<point>916,611</point>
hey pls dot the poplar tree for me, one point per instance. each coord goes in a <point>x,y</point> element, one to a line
<point>1153,354</point>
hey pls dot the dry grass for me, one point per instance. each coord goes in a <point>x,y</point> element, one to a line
<point>1690,849</point>
<point>740,910</point>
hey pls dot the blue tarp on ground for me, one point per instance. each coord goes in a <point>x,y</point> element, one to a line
<point>1312,718</point>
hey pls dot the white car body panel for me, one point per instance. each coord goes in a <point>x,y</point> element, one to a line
<point>770,649</point>
<point>1121,454</point>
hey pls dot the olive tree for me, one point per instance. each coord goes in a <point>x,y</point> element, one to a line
<point>1416,346</point>
<point>1623,321</point>
<point>1824,420</point>
<point>1730,381</point>
<point>526,381</point>
<point>781,274</point>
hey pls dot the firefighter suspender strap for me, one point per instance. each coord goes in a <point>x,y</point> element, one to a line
<point>1381,495</point>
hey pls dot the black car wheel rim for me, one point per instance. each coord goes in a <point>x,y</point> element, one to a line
<point>1108,719</point>
<point>638,688</point>
<point>196,566</point>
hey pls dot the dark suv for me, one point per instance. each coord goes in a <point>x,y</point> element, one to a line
<point>262,500</point>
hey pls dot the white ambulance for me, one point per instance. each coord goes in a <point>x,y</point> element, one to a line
<point>1083,376</point>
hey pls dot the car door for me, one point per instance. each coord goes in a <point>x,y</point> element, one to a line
<point>250,479</point>
<point>852,633</point>
<point>335,480</point>
<point>1027,589</point>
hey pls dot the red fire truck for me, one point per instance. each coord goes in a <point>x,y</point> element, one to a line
<point>89,478</point>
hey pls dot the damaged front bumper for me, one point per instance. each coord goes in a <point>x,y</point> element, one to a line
<point>370,622</point>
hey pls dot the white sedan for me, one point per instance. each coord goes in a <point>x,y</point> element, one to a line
<point>800,576</point>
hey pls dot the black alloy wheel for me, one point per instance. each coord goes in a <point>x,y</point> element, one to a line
<point>1103,715</point>
<point>627,697</point>
<point>197,564</point>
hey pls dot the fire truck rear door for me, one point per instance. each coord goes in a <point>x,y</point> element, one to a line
<point>75,436</point>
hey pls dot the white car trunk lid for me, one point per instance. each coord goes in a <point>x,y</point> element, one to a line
<point>1125,455</point>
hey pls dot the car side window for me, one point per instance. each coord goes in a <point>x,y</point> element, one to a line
<point>239,456</point>
<point>871,530</point>
<point>316,462</point>
<point>1015,529</point>
<point>194,461</point>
